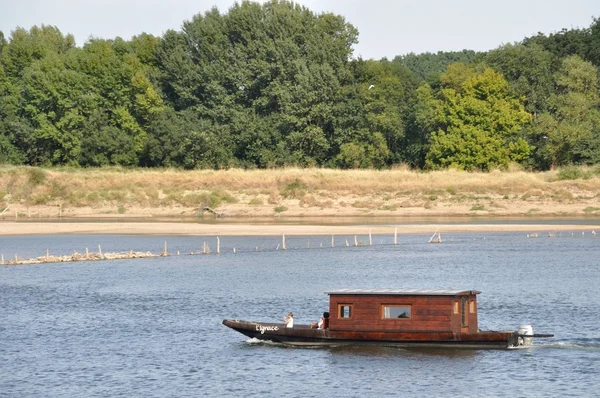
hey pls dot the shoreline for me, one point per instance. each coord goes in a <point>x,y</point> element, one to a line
<point>20,228</point>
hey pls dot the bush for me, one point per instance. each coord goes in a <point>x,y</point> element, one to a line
<point>574,173</point>
<point>591,209</point>
<point>36,176</point>
<point>294,190</point>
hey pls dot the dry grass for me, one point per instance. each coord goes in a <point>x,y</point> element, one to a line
<point>291,188</point>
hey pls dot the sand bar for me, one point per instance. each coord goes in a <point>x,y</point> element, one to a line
<point>177,228</point>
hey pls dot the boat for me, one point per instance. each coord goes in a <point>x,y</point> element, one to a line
<point>399,317</point>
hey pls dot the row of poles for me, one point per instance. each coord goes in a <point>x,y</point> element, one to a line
<point>283,245</point>
<point>131,254</point>
<point>435,238</point>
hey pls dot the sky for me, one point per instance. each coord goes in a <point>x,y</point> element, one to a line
<point>387,28</point>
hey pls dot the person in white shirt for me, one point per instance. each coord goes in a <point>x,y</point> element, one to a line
<point>289,320</point>
<point>321,323</point>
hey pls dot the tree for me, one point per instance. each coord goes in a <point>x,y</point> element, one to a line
<point>269,74</point>
<point>563,43</point>
<point>124,100</point>
<point>370,151</point>
<point>570,131</point>
<point>593,53</point>
<point>528,70</point>
<point>429,66</point>
<point>185,140</point>
<point>2,42</point>
<point>26,47</point>
<point>476,122</point>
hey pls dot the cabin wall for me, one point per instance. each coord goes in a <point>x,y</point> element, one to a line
<point>471,313</point>
<point>428,313</point>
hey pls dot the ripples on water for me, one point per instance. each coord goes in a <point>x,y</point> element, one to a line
<point>152,327</point>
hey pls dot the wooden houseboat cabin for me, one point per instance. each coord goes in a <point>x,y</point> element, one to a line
<point>400,317</point>
<point>414,310</point>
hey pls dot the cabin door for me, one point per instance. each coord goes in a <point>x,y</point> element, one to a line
<point>464,314</point>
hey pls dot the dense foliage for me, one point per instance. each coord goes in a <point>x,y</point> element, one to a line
<point>274,84</point>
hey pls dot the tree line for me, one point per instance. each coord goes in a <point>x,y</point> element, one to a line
<point>275,84</point>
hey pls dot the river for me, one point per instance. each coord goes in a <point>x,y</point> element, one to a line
<point>152,327</point>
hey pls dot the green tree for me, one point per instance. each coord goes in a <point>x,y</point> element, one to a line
<point>124,103</point>
<point>369,152</point>
<point>429,66</point>
<point>529,70</point>
<point>269,74</point>
<point>26,47</point>
<point>184,140</point>
<point>593,53</point>
<point>9,152</point>
<point>570,131</point>
<point>2,42</point>
<point>564,43</point>
<point>476,122</point>
<point>388,92</point>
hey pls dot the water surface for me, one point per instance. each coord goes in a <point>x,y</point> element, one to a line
<point>152,327</point>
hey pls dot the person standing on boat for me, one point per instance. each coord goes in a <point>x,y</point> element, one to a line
<point>289,320</point>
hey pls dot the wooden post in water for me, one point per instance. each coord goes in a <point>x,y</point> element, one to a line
<point>395,235</point>
<point>347,244</point>
<point>204,248</point>
<point>355,241</point>
<point>100,251</point>
<point>165,249</point>
<point>234,250</point>
<point>370,239</point>
<point>218,245</point>
<point>308,243</point>
<point>2,262</point>
<point>47,254</point>
<point>16,259</point>
<point>87,253</point>
<point>283,242</point>
<point>332,241</point>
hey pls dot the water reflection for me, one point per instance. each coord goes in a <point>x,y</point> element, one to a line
<point>379,350</point>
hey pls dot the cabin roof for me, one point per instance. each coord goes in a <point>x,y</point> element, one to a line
<point>403,292</point>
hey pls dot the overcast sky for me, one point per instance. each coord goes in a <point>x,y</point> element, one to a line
<point>386,27</point>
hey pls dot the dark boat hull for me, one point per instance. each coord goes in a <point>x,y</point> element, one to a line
<point>305,336</point>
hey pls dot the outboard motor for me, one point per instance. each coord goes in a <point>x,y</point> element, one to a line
<point>525,330</point>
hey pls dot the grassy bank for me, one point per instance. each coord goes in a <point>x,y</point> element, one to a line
<point>37,192</point>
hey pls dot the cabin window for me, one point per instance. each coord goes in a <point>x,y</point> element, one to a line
<point>396,311</point>
<point>472,306</point>
<point>345,310</point>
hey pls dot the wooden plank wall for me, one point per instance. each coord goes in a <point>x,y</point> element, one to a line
<point>427,313</point>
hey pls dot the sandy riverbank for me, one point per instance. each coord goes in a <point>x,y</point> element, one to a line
<point>231,229</point>
<point>30,194</point>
